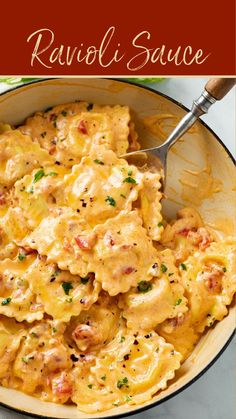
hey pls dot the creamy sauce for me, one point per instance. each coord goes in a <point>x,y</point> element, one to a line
<point>101,299</point>
<point>199,185</point>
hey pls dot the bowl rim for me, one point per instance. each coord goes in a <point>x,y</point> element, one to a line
<point>218,355</point>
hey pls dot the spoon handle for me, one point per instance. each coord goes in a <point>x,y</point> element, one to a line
<point>215,89</point>
<point>219,87</point>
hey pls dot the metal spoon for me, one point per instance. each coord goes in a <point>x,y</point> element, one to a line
<point>156,157</point>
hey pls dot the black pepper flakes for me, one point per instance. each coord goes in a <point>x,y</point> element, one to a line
<point>74,358</point>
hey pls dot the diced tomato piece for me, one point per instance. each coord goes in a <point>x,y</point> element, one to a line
<point>128,270</point>
<point>109,240</point>
<point>86,243</point>
<point>27,251</point>
<point>2,199</point>
<point>206,238</point>
<point>82,127</point>
<point>212,278</point>
<point>184,232</point>
<point>52,149</point>
<point>126,246</point>
<point>52,117</point>
<point>62,387</point>
<point>85,336</point>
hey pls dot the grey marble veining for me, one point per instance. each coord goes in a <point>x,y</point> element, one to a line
<point>213,395</point>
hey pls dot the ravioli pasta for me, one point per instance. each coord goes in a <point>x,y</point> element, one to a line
<point>101,299</point>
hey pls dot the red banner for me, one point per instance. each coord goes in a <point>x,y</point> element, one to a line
<point>118,38</point>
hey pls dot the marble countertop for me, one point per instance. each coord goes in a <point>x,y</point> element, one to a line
<point>213,395</point>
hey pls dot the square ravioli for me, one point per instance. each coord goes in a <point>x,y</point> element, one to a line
<point>151,303</point>
<point>16,298</point>
<point>70,131</point>
<point>19,155</point>
<point>62,294</point>
<point>130,369</point>
<point>209,279</point>
<point>100,186</point>
<point>118,251</point>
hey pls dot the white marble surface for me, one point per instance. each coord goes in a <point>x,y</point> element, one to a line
<point>213,395</point>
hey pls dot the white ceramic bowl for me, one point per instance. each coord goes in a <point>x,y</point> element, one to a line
<point>214,196</point>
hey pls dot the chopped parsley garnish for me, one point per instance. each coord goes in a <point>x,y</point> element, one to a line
<point>183,266</point>
<point>123,196</point>
<point>21,256</point>
<point>224,269</point>
<point>55,124</point>
<point>160,224</point>
<point>69,300</point>
<point>124,381</point>
<point>90,107</point>
<point>54,330</point>
<point>67,286</point>
<point>64,113</point>
<point>104,377</point>
<point>171,273</point>
<point>122,339</point>
<point>6,301</point>
<point>90,386</point>
<point>31,190</point>
<point>25,360</point>
<point>97,161</point>
<point>130,173</point>
<point>110,201</point>
<point>163,268</point>
<point>84,280</point>
<point>144,286</point>
<point>52,174</point>
<point>34,335</point>
<point>128,398</point>
<point>40,173</point>
<point>130,179</point>
<point>178,302</point>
